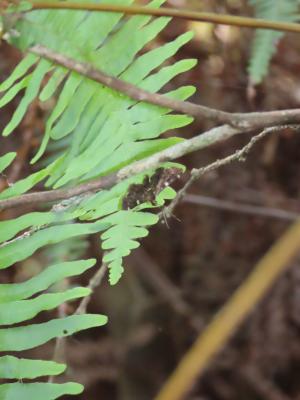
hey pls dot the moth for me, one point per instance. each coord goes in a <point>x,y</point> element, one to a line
<point>150,187</point>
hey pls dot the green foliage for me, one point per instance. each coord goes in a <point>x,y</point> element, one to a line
<point>17,305</point>
<point>120,239</point>
<point>91,117</point>
<point>6,160</point>
<point>265,41</point>
<point>31,391</point>
<point>91,131</point>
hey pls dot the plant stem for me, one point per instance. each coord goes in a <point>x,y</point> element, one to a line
<point>253,120</point>
<point>245,22</point>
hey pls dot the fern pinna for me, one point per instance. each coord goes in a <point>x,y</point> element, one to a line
<point>98,131</point>
<point>265,41</point>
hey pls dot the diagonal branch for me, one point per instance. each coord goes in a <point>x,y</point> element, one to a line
<point>180,149</point>
<point>243,208</point>
<point>199,142</point>
<point>233,20</point>
<point>134,92</point>
<point>253,120</point>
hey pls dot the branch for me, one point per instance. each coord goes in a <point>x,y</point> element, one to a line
<point>59,194</point>
<point>198,142</point>
<point>233,206</point>
<point>129,89</point>
<point>233,20</point>
<point>253,120</point>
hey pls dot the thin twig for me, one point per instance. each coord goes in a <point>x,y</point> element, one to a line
<point>239,155</point>
<point>94,282</point>
<point>234,20</point>
<point>228,319</point>
<point>59,354</point>
<point>235,207</point>
<point>253,120</point>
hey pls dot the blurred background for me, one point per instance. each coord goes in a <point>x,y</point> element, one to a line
<point>188,267</point>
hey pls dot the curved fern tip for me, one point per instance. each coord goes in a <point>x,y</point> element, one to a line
<point>90,261</point>
<point>75,388</point>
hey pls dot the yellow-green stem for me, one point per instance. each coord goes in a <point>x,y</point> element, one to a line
<point>244,22</point>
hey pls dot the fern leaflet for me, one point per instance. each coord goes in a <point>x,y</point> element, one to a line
<point>265,41</point>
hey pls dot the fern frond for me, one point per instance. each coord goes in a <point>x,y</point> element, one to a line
<point>86,106</point>
<point>94,131</point>
<point>17,305</point>
<point>265,41</point>
<point>120,239</point>
<point>93,117</point>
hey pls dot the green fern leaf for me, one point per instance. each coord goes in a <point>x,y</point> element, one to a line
<point>20,70</point>
<point>265,41</point>
<point>6,160</point>
<point>30,391</point>
<point>120,239</point>
<point>18,250</point>
<point>29,336</point>
<point>15,307</point>
<point>19,311</point>
<point>32,91</point>
<point>32,221</point>
<point>21,368</point>
<point>48,277</point>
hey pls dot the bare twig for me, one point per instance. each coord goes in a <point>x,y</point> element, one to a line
<point>234,20</point>
<point>227,320</point>
<point>59,354</point>
<point>254,120</point>
<point>235,207</point>
<point>197,173</point>
<point>94,282</point>
<point>59,194</point>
